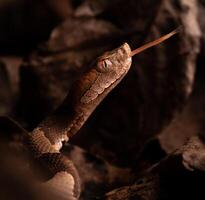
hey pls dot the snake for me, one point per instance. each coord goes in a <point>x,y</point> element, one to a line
<point>46,140</point>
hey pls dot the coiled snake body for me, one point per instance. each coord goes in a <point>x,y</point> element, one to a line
<point>46,140</point>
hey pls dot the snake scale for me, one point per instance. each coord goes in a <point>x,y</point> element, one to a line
<point>45,141</point>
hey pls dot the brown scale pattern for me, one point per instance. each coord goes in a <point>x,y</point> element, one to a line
<point>39,144</point>
<point>58,163</point>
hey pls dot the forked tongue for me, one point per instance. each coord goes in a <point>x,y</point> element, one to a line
<point>155,42</point>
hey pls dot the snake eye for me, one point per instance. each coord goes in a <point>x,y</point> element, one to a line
<point>104,65</point>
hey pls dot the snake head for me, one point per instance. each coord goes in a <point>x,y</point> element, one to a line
<point>107,71</point>
<point>117,60</point>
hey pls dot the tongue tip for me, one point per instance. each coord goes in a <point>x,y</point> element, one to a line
<point>179,29</point>
<point>175,31</point>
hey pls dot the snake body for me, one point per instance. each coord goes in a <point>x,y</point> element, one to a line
<point>45,141</point>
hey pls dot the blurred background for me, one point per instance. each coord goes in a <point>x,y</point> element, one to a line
<point>45,45</point>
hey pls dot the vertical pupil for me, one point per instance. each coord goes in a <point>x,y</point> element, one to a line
<point>105,64</point>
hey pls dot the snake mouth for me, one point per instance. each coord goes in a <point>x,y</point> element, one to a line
<point>126,49</point>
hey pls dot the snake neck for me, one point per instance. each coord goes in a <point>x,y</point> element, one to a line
<point>70,117</point>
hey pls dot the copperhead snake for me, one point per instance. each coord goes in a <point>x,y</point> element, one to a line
<point>45,141</point>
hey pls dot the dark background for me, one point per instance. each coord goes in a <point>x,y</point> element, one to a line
<point>46,44</point>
